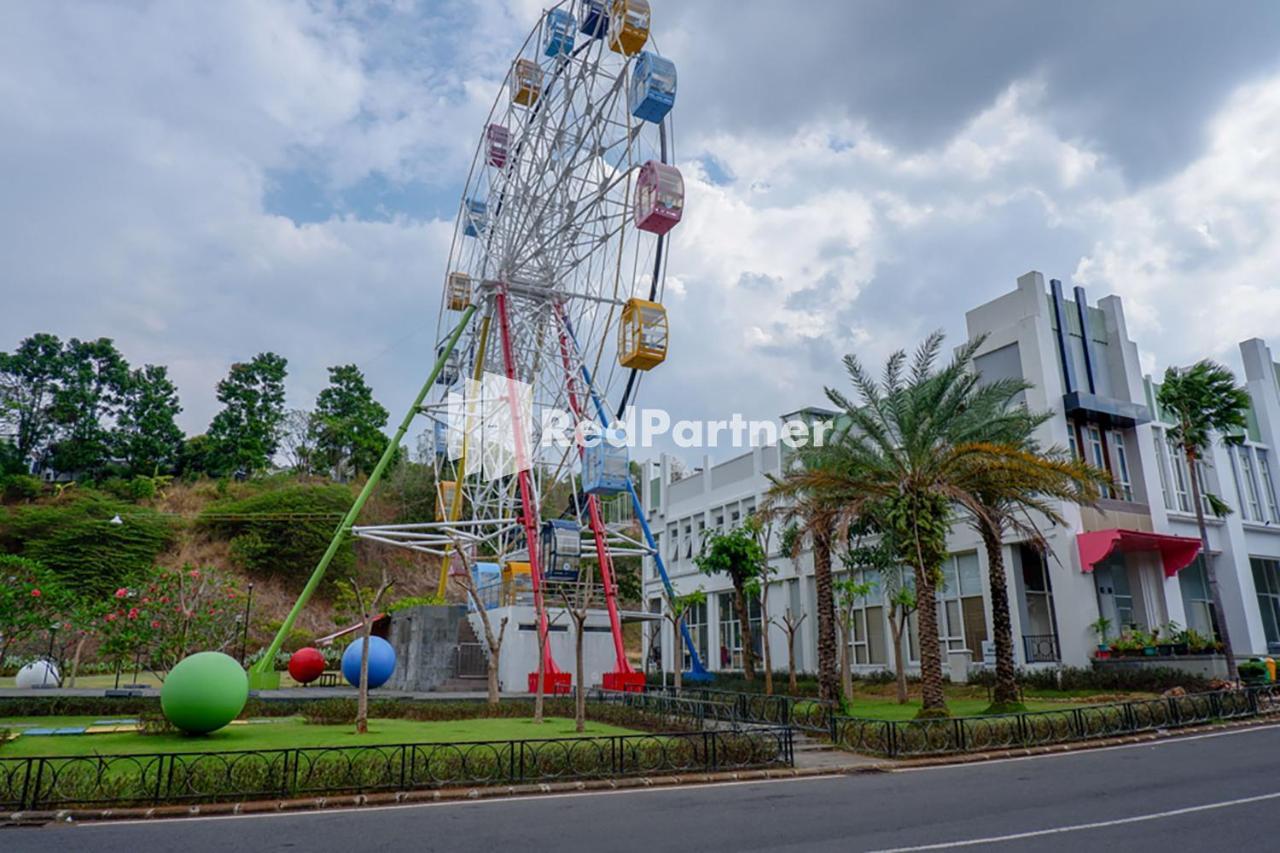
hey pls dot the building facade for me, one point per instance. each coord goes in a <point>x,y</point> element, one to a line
<point>1132,558</point>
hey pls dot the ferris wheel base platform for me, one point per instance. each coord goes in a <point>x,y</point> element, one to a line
<point>553,683</point>
<point>628,682</point>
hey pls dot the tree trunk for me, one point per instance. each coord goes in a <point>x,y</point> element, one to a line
<point>1006,686</point>
<point>493,678</point>
<point>1210,573</point>
<point>828,681</point>
<point>580,695</point>
<point>744,629</point>
<point>764,638</point>
<point>933,698</point>
<point>362,702</point>
<point>542,675</point>
<point>899,656</point>
<point>846,666</point>
<point>678,662</point>
<point>791,661</point>
<point>75,660</point>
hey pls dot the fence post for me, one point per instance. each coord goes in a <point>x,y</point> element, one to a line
<point>715,763</point>
<point>26,785</point>
<point>403,749</point>
<point>160,777</point>
<point>1175,718</point>
<point>521,776</point>
<point>892,739</point>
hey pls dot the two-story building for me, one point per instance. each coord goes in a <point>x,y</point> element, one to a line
<point>1132,558</point>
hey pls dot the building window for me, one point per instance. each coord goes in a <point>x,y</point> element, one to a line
<point>1250,497</point>
<point>702,532</point>
<point>673,539</point>
<point>962,622</point>
<point>1162,466</point>
<point>1196,600</point>
<point>1040,626</point>
<point>868,638</point>
<point>1268,485</point>
<point>1120,466</point>
<point>688,541</point>
<point>731,631</point>
<point>1071,440</point>
<point>1181,482</point>
<point>1098,454</point>
<point>696,620</point>
<point>1266,580</point>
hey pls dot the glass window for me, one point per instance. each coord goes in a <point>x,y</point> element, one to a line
<point>731,632</point>
<point>1266,581</point>
<point>962,621</point>
<point>1097,454</point>
<point>1039,630</point>
<point>1071,440</point>
<point>696,619</point>
<point>1181,482</point>
<point>1268,485</point>
<point>1120,466</point>
<point>1250,496</point>
<point>1162,466</point>
<point>1196,600</point>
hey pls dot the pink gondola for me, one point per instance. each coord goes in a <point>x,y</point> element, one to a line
<point>499,144</point>
<point>659,197</point>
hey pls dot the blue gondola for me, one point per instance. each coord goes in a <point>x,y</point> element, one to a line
<point>440,439</point>
<point>477,218</point>
<point>604,465</point>
<point>653,87</point>
<point>451,369</point>
<point>595,18</point>
<point>557,39</point>
<point>561,550</point>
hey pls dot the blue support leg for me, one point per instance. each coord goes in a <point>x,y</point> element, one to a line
<point>697,672</point>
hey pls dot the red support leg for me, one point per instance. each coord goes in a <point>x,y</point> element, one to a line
<point>554,680</point>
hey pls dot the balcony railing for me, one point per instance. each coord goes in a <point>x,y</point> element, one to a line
<point>1041,648</point>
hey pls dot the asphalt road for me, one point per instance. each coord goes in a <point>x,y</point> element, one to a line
<point>1213,792</point>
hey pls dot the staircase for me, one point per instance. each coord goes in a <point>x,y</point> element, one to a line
<point>470,663</point>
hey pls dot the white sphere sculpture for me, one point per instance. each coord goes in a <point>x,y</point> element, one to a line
<point>41,673</point>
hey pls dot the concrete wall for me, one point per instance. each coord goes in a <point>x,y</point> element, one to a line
<point>520,645</point>
<point>424,639</point>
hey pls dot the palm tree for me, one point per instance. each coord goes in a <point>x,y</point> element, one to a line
<point>1011,488</point>
<point>1201,400</point>
<point>907,451</point>
<point>810,515</point>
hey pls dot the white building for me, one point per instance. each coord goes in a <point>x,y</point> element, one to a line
<point>1130,558</point>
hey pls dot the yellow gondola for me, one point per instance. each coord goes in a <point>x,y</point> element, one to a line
<point>628,26</point>
<point>444,499</point>
<point>458,291</point>
<point>526,82</point>
<point>642,334</point>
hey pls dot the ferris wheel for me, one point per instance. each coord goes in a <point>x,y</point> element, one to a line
<point>551,311</point>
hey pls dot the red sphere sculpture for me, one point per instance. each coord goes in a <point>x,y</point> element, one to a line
<point>306,665</point>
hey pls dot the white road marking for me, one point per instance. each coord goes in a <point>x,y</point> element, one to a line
<point>1079,827</point>
<point>1170,741</point>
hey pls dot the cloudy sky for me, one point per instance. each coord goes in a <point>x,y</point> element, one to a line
<point>202,181</point>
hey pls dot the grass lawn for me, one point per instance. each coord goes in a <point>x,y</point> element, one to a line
<point>292,732</point>
<point>147,679</point>
<point>880,701</point>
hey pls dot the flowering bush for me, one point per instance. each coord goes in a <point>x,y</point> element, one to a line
<point>171,614</point>
<point>30,598</point>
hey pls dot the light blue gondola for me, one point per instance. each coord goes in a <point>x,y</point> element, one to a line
<point>558,36</point>
<point>561,550</point>
<point>653,87</point>
<point>604,465</point>
<point>595,18</point>
<point>477,218</point>
<point>452,367</point>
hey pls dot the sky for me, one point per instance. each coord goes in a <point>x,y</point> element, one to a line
<point>204,181</point>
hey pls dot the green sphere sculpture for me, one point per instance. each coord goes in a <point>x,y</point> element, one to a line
<point>204,692</point>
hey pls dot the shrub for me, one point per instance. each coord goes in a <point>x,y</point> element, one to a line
<point>283,533</point>
<point>1111,679</point>
<point>415,601</point>
<point>76,539</point>
<point>20,487</point>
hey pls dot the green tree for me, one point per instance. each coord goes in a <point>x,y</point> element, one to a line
<point>30,598</point>
<point>147,437</point>
<point>94,380</point>
<point>1202,400</point>
<point>29,378</point>
<point>245,433</point>
<point>195,457</point>
<point>678,606</point>
<point>738,555</point>
<point>911,450</point>
<point>873,552</point>
<point>348,423</point>
<point>849,592</point>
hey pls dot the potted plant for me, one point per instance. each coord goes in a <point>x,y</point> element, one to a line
<point>1253,672</point>
<point>1149,640</point>
<point>1127,644</point>
<point>1100,627</point>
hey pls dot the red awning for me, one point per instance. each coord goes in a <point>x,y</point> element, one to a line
<point>1176,552</point>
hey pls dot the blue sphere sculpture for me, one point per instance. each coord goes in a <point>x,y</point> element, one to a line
<point>382,662</point>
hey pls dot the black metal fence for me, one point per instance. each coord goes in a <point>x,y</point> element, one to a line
<point>911,738</point>
<point>190,777</point>
<point>810,715</point>
<point>671,707</point>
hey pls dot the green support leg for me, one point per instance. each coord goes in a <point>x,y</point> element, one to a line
<point>263,674</point>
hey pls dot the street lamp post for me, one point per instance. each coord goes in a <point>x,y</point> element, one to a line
<point>244,637</point>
